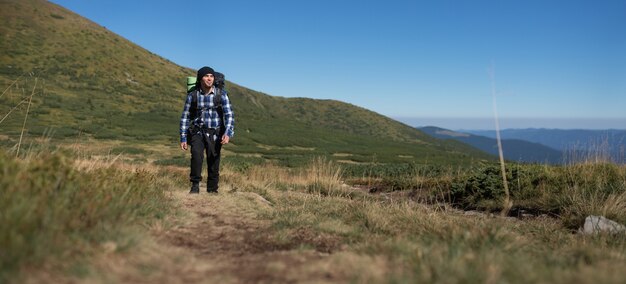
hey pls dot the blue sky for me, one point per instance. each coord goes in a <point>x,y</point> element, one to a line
<point>558,64</point>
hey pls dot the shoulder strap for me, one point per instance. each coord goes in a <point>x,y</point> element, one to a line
<point>217,102</point>
<point>217,99</point>
<point>193,109</point>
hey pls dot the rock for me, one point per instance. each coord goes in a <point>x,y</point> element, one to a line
<point>375,189</point>
<point>524,214</point>
<point>599,224</point>
<point>109,247</point>
<point>256,197</point>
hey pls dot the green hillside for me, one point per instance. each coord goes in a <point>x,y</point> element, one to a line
<point>95,84</point>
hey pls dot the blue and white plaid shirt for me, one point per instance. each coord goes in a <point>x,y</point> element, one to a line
<point>207,114</point>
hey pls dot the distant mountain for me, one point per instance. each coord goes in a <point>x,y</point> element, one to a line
<point>513,149</point>
<point>94,84</point>
<point>576,143</point>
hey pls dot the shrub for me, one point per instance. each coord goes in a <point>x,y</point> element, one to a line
<point>570,192</point>
<point>482,188</point>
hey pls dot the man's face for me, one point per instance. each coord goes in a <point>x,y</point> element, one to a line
<point>207,80</point>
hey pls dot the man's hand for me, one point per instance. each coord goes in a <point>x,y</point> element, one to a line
<point>225,139</point>
<point>183,145</point>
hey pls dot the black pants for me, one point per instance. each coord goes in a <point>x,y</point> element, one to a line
<point>200,144</point>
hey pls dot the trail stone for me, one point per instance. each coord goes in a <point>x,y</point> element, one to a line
<point>257,197</point>
<point>600,224</point>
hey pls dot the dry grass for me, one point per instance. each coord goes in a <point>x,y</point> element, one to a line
<point>320,177</point>
<point>54,207</point>
<point>595,189</point>
<point>368,238</point>
<point>413,243</point>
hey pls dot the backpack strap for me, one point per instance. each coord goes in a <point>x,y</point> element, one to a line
<point>217,102</point>
<point>193,109</point>
<point>217,99</point>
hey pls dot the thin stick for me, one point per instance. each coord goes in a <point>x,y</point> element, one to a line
<point>25,117</point>
<point>20,103</point>
<point>15,81</point>
<point>507,200</point>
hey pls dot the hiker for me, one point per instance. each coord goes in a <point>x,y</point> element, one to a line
<point>206,124</point>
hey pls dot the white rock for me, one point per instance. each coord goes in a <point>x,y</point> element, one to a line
<point>599,224</point>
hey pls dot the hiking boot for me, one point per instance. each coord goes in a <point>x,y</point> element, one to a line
<point>195,188</point>
<point>212,191</point>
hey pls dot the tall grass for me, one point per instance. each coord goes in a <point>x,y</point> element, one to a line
<point>594,152</point>
<point>593,189</point>
<point>324,178</point>
<point>30,100</point>
<point>568,193</point>
<point>319,176</point>
<point>54,213</point>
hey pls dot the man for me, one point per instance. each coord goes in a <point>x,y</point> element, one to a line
<point>205,126</point>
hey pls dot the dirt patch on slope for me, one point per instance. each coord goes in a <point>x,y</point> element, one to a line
<point>226,234</point>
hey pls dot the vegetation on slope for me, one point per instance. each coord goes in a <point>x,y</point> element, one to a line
<point>94,83</point>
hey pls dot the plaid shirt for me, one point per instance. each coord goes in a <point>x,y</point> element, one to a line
<point>207,114</point>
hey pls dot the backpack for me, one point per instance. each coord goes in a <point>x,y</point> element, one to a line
<point>220,80</point>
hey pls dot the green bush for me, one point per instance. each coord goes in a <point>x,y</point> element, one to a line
<point>570,192</point>
<point>483,187</point>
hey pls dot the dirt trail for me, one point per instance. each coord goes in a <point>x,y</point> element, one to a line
<point>221,240</point>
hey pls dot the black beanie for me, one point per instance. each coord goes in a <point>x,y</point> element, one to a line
<point>203,71</point>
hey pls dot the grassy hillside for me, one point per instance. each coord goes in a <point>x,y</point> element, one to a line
<point>93,83</point>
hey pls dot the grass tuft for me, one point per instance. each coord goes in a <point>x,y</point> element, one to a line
<point>51,209</point>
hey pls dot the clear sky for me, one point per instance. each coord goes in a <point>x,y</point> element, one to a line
<point>558,64</point>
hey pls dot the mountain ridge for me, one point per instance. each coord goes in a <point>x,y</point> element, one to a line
<point>100,85</point>
<point>513,149</point>
<point>580,143</point>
